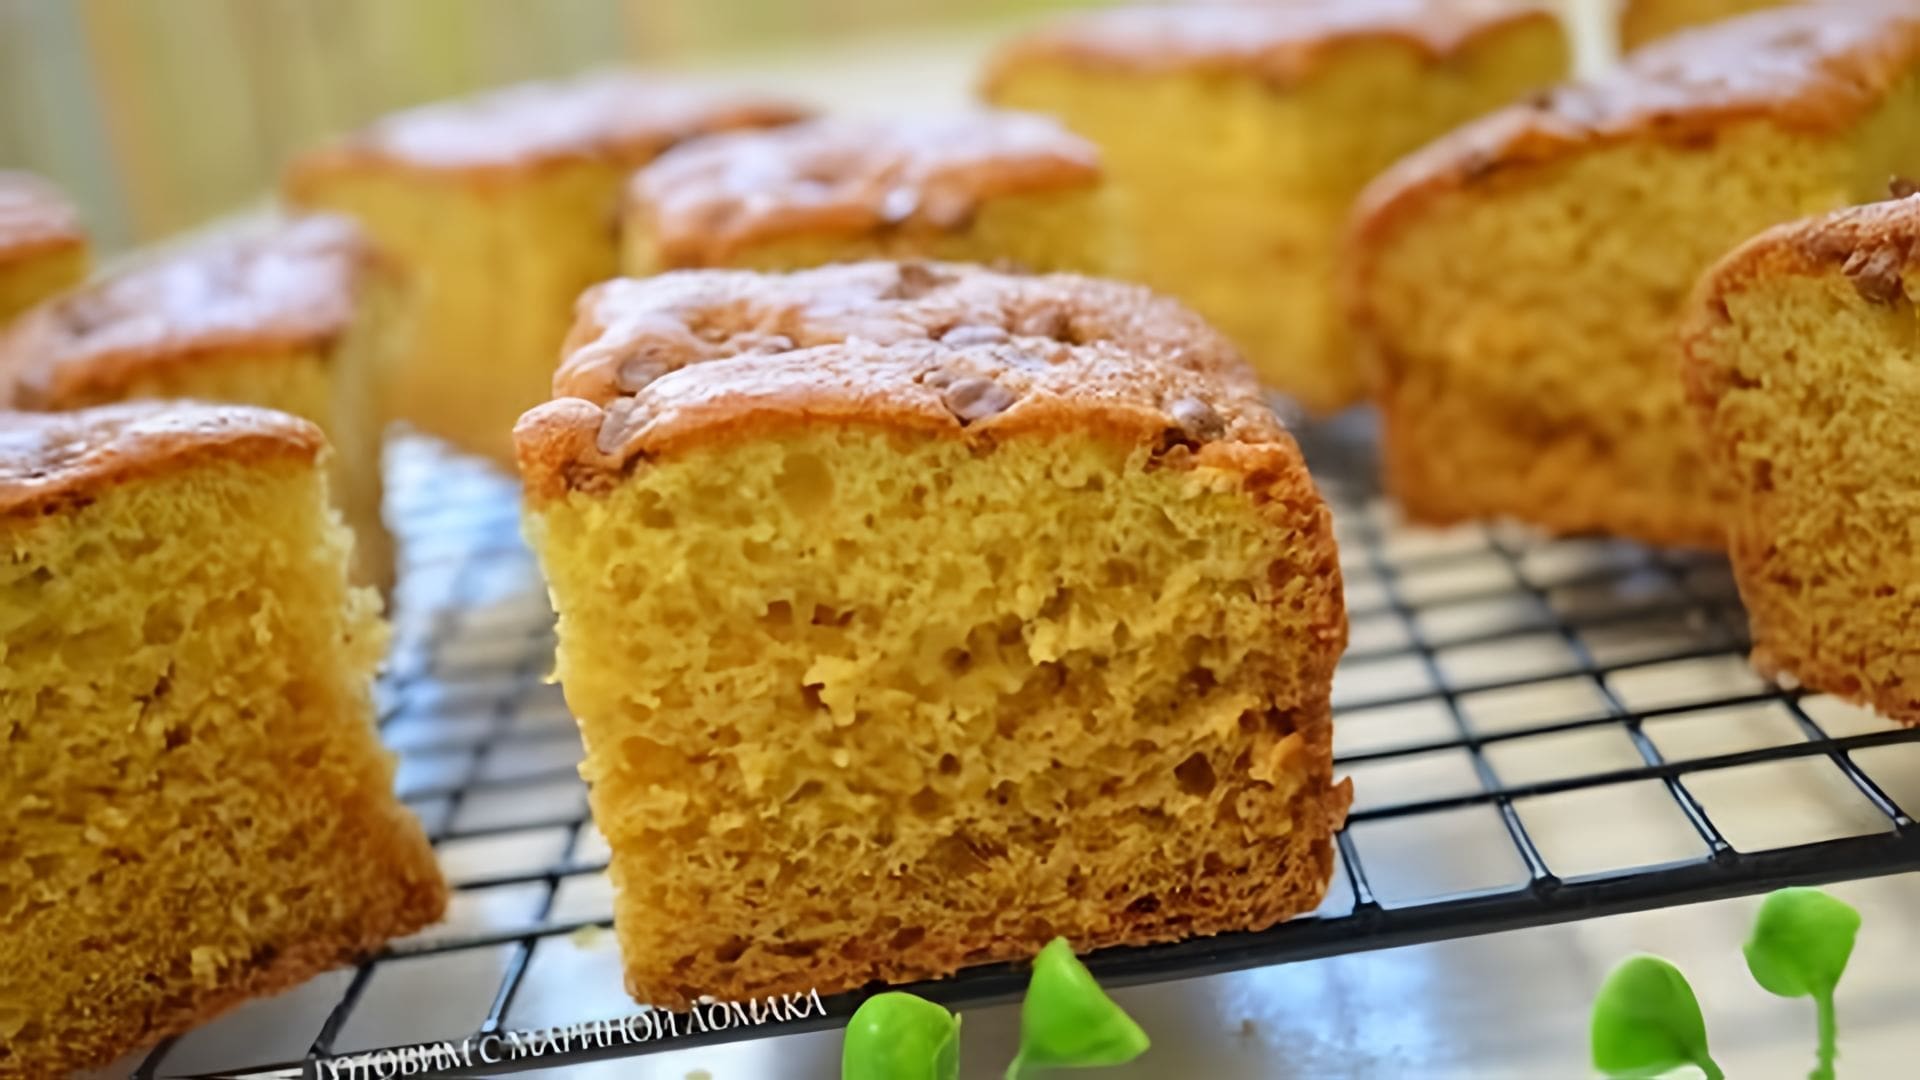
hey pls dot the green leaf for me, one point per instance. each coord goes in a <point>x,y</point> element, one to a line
<point>1801,942</point>
<point>897,1036</point>
<point>1067,1021</point>
<point>1800,945</point>
<point>1646,1022</point>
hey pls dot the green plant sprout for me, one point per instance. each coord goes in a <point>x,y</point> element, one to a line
<point>1646,1022</point>
<point>1799,947</point>
<point>1066,1021</point>
<point>897,1036</point>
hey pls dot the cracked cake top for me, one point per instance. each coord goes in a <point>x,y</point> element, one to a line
<point>690,357</point>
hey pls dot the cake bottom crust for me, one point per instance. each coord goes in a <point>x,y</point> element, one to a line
<point>1895,700</point>
<point>1302,869</point>
<point>1886,681</point>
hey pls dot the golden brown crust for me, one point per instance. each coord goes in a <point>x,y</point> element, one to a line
<point>292,286</point>
<point>1872,244</point>
<point>1876,246</point>
<point>1279,44</point>
<point>35,218</point>
<point>705,201</point>
<point>937,348</point>
<point>1807,67</point>
<point>619,117</point>
<point>50,460</point>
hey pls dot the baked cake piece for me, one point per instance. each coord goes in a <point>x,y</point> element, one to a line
<point>1642,21</point>
<point>299,316</point>
<point>982,187</point>
<point>1237,136</point>
<point>504,208</point>
<point>915,614</point>
<point>1517,283</point>
<point>1800,352</point>
<point>198,810</point>
<point>42,247</point>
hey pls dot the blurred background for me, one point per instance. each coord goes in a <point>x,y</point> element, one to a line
<point>156,115</point>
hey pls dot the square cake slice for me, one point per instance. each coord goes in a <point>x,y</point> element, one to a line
<point>979,186</point>
<point>914,614</point>
<point>1235,137</point>
<point>197,807</point>
<point>42,247</point>
<point>503,207</point>
<point>1803,365</point>
<point>1517,285</point>
<point>299,316</point>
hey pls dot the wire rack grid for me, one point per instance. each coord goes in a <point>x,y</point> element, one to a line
<point>1538,731</point>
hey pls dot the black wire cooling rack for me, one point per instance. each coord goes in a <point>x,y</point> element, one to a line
<point>1538,731</point>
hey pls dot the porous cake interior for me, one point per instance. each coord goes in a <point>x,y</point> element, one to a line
<point>1816,400</point>
<point>1527,320</point>
<point>1236,191</point>
<point>1043,232</point>
<point>498,261</point>
<point>197,808</point>
<point>861,705</point>
<point>29,280</point>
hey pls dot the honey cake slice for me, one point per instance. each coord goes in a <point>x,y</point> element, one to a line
<point>914,614</point>
<point>1236,137</point>
<point>984,186</point>
<point>42,246</point>
<point>300,316</point>
<point>199,811</point>
<point>504,207</point>
<point>1518,284</point>
<point>1800,360</point>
